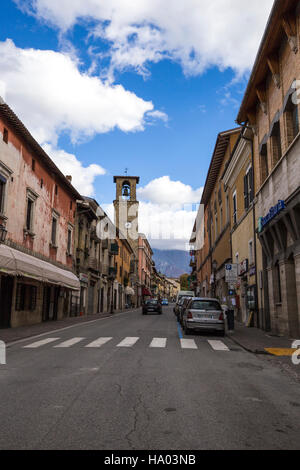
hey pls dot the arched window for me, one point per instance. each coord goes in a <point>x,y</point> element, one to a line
<point>126,191</point>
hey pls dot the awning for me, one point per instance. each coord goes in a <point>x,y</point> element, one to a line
<point>129,291</point>
<point>17,263</point>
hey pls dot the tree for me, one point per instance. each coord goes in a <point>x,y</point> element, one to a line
<point>184,282</point>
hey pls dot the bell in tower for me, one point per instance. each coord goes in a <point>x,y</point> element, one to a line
<point>126,206</point>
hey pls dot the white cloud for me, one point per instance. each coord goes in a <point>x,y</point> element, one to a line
<point>82,177</point>
<point>197,34</point>
<point>52,96</point>
<point>165,191</point>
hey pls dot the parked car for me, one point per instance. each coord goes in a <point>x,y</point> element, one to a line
<point>183,307</point>
<point>202,314</point>
<point>152,306</point>
<point>165,302</point>
<point>178,305</point>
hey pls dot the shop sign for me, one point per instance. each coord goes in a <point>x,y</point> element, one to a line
<point>273,212</point>
<point>231,273</point>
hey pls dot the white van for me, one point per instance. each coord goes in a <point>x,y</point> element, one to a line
<point>184,293</point>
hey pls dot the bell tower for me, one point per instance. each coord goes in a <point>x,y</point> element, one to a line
<point>127,207</point>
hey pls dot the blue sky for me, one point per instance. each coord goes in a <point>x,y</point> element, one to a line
<point>181,81</point>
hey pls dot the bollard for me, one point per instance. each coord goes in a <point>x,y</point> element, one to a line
<point>2,353</point>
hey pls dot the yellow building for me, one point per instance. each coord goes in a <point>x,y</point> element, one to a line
<point>238,181</point>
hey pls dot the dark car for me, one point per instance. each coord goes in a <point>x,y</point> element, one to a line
<point>182,308</point>
<point>178,306</point>
<point>152,306</point>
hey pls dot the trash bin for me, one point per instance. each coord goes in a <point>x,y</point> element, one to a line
<point>230,320</point>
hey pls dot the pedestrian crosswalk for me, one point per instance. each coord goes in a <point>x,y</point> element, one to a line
<point>127,342</point>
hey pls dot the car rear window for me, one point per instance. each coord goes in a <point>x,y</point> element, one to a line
<point>205,305</point>
<point>152,302</point>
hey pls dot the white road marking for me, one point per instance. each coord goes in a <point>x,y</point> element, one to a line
<point>37,344</point>
<point>188,344</point>
<point>158,343</point>
<point>218,346</point>
<point>69,343</point>
<point>98,343</point>
<point>128,342</point>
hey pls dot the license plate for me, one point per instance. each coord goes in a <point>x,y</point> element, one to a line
<point>206,317</point>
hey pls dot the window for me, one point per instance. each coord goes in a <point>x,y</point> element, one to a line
<point>221,218</point>
<point>248,188</point>
<point>216,226</point>
<point>264,168</point>
<point>234,208</point>
<point>42,183</point>
<point>56,190</point>
<point>2,193</point>
<point>69,241</point>
<point>54,229</point>
<point>5,135</point>
<point>33,165</point>
<point>31,199</point>
<point>29,215</point>
<point>276,143</point>
<point>292,121</point>
<point>26,297</point>
<point>71,205</point>
<point>227,208</point>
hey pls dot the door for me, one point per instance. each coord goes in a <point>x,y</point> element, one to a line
<point>6,293</point>
<point>91,298</point>
<point>50,303</point>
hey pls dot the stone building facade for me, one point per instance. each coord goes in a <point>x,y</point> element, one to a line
<point>37,209</point>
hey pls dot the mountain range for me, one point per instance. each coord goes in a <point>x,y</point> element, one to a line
<point>172,263</point>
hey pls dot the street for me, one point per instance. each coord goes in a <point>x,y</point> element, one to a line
<point>129,382</point>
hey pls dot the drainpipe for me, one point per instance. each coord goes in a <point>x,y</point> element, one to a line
<point>254,222</point>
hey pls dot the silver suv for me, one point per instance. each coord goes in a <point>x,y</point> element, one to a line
<point>202,314</point>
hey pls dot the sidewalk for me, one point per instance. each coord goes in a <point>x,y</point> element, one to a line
<point>11,335</point>
<point>259,342</point>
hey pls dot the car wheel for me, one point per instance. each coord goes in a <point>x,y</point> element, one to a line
<point>222,333</point>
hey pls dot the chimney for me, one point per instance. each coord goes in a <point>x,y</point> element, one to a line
<point>69,178</point>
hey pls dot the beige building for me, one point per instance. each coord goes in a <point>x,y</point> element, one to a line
<point>238,181</point>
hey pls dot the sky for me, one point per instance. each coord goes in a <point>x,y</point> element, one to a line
<point>105,85</point>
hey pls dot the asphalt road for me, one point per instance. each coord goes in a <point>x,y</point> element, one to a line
<point>141,397</point>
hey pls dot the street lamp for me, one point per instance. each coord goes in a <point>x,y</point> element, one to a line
<point>3,233</point>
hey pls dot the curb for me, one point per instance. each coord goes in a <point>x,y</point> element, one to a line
<point>252,351</point>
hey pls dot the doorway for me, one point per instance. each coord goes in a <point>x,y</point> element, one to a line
<point>6,293</point>
<point>50,303</point>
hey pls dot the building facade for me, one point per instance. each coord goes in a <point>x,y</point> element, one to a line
<point>37,212</point>
<point>271,107</point>
<point>238,180</point>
